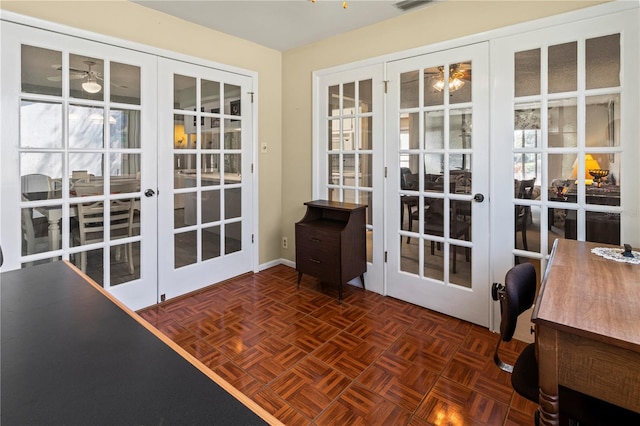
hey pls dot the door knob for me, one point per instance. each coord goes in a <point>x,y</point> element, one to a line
<point>149,192</point>
<point>478,198</point>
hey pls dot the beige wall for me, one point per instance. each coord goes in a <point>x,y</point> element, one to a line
<point>432,24</point>
<point>129,21</point>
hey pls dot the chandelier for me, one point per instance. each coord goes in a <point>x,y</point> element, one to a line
<point>455,78</point>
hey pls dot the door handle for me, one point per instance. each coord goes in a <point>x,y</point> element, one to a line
<point>478,198</point>
<point>149,193</point>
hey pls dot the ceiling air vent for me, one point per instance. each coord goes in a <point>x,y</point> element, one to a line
<point>411,4</point>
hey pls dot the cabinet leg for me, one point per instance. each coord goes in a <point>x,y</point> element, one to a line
<point>299,278</point>
<point>340,293</point>
<point>362,280</point>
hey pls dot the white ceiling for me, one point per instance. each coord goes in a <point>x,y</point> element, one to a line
<point>283,24</point>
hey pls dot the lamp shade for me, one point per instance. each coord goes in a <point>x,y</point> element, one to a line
<point>91,85</point>
<point>590,163</point>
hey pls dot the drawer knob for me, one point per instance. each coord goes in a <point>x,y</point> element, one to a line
<point>314,260</point>
<point>316,240</point>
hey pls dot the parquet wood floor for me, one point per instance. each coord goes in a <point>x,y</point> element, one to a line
<point>372,360</point>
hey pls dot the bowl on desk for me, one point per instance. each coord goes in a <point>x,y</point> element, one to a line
<point>598,174</point>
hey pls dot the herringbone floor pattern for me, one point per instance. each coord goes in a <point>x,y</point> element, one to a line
<point>372,360</point>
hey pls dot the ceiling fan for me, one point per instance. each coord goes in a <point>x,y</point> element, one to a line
<point>458,75</point>
<point>92,79</point>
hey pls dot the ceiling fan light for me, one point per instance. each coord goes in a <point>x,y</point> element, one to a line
<point>455,84</point>
<point>91,85</point>
<point>439,85</point>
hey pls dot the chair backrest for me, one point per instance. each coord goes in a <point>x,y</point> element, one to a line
<point>405,178</point>
<point>524,188</point>
<point>35,182</point>
<point>28,231</point>
<point>519,293</point>
<point>91,220</point>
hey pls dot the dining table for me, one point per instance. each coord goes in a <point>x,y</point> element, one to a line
<point>78,188</point>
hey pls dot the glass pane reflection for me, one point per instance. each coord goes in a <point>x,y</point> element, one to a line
<point>86,77</point>
<point>233,237</point>
<point>211,242</point>
<point>125,263</point>
<point>603,61</point>
<point>40,125</point>
<point>409,93</point>
<point>185,248</point>
<point>232,203</point>
<point>125,87</point>
<point>184,92</point>
<point>563,67</point>
<point>86,127</point>
<point>563,123</point>
<point>365,95</point>
<point>210,211</point>
<point>527,72</point>
<point>41,71</point>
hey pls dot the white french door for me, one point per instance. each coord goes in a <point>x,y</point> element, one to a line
<point>566,112</point>
<point>79,135</point>
<point>437,207</point>
<point>350,153</point>
<point>137,169</point>
<point>205,179</point>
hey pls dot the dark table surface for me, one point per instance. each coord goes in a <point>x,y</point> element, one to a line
<point>71,356</point>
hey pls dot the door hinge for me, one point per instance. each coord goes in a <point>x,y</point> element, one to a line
<point>385,171</point>
<point>386,85</point>
<point>251,167</point>
<point>251,238</point>
<point>163,297</point>
<point>385,257</point>
<point>251,93</point>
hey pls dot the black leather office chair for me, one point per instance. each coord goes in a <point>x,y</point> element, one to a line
<point>516,296</point>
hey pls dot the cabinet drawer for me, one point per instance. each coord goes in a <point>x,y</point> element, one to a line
<point>314,236</point>
<point>324,269</point>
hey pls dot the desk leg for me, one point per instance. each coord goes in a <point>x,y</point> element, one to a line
<point>54,233</point>
<point>547,346</point>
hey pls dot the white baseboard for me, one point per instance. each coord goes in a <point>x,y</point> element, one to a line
<point>276,262</point>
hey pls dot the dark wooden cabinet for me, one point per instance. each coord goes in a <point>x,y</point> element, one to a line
<point>331,242</point>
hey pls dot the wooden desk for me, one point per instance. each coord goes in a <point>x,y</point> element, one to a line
<point>71,354</point>
<point>587,318</point>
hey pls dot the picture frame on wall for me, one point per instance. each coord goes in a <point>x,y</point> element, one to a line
<point>234,106</point>
<point>215,121</point>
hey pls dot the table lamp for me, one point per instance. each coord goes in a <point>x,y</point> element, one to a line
<point>590,163</point>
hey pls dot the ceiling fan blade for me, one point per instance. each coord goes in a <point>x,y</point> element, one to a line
<point>71,77</point>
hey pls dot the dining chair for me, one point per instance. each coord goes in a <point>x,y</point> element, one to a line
<point>91,227</point>
<point>516,296</point>
<point>34,233</point>
<point>522,213</point>
<point>408,181</point>
<point>434,225</point>
<point>35,182</point>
